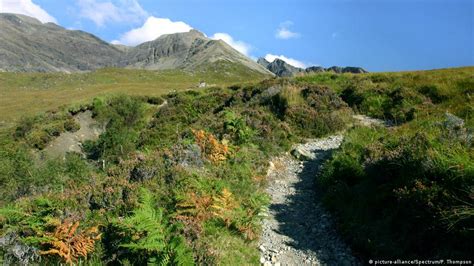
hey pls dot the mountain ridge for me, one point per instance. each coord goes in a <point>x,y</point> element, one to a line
<point>27,45</point>
<point>282,69</point>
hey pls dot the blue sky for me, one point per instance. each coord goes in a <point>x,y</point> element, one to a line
<point>379,35</point>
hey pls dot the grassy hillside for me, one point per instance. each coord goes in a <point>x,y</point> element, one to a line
<point>26,94</point>
<point>394,96</point>
<point>185,181</point>
<point>406,191</point>
<point>180,183</point>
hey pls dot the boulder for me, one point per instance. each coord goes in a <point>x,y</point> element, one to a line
<point>300,153</point>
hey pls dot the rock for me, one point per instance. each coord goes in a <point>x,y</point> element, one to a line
<point>354,70</point>
<point>282,68</point>
<point>263,62</point>
<point>262,248</point>
<point>262,260</point>
<point>454,129</point>
<point>302,154</point>
<point>452,122</point>
<point>314,69</point>
<point>335,69</point>
<point>267,94</point>
<point>142,173</point>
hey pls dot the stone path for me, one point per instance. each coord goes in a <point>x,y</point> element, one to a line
<point>298,230</point>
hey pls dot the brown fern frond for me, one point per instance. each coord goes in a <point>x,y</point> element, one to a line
<point>223,206</point>
<point>68,243</point>
<point>212,149</point>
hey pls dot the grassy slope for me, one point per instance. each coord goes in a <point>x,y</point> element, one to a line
<point>434,90</point>
<point>254,126</point>
<point>26,94</point>
<point>207,184</point>
<point>405,192</point>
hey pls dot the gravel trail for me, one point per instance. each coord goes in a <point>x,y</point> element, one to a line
<point>298,230</point>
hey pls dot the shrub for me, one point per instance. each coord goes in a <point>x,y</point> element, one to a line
<point>214,150</point>
<point>397,188</point>
<point>432,92</point>
<point>237,128</point>
<point>71,125</point>
<point>125,116</point>
<point>25,125</point>
<point>146,237</point>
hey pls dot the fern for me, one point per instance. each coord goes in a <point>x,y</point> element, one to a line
<point>148,235</point>
<point>67,243</point>
<point>223,206</point>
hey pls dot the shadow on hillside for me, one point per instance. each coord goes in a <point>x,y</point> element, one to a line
<point>306,222</point>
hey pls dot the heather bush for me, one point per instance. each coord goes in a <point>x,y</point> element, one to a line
<point>406,191</point>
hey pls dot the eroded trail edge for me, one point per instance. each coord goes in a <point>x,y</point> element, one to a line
<point>298,230</point>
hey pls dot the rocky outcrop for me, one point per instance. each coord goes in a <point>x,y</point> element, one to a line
<point>189,50</point>
<point>314,69</point>
<point>283,69</point>
<point>263,62</point>
<point>354,70</point>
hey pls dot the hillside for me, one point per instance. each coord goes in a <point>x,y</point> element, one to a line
<point>27,45</point>
<point>186,177</point>
<point>25,94</point>
<point>189,51</point>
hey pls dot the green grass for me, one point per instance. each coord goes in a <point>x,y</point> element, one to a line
<point>193,205</point>
<point>27,94</point>
<point>400,96</point>
<point>405,191</point>
<point>152,184</point>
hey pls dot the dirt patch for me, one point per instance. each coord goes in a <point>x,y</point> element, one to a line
<point>89,129</point>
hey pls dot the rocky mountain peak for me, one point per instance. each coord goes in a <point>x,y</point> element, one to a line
<point>282,69</point>
<point>27,45</point>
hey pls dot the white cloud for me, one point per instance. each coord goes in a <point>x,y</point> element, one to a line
<point>152,29</point>
<point>270,58</point>
<point>26,7</point>
<point>240,46</point>
<point>117,11</point>
<point>284,32</point>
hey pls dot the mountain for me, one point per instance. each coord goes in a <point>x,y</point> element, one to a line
<point>263,62</point>
<point>280,67</point>
<point>283,69</point>
<point>26,45</point>
<point>354,70</point>
<point>188,50</point>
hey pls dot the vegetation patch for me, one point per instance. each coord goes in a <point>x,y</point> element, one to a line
<point>179,183</point>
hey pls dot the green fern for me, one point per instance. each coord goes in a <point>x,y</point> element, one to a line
<point>150,237</point>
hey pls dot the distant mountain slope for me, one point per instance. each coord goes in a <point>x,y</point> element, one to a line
<point>189,50</point>
<point>26,44</point>
<point>283,69</point>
